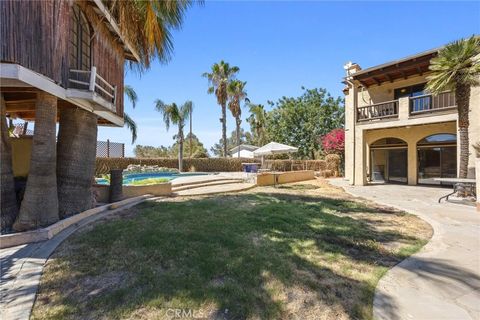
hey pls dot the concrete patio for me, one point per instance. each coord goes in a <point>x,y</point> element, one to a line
<point>442,281</point>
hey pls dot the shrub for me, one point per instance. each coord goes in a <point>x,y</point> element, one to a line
<point>334,141</point>
<point>333,163</point>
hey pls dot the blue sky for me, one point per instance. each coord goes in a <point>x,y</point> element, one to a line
<point>279,47</point>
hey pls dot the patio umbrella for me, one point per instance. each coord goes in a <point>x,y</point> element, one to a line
<point>273,148</point>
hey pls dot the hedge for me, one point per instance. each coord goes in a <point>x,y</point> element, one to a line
<point>104,165</point>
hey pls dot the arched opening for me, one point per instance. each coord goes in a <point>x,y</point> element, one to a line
<point>388,160</point>
<point>437,158</point>
<point>80,41</point>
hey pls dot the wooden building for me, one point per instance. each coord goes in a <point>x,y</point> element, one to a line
<point>72,50</point>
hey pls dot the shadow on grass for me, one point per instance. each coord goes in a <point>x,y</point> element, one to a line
<point>244,256</point>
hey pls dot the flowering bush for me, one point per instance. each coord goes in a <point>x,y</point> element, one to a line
<point>334,141</point>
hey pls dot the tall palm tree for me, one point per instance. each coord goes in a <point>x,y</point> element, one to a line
<point>129,122</point>
<point>457,68</point>
<point>177,115</point>
<point>40,203</point>
<point>236,92</point>
<point>9,208</point>
<point>258,122</point>
<point>219,78</point>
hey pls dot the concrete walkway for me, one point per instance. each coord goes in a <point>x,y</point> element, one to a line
<point>442,281</point>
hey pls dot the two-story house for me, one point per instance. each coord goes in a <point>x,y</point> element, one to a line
<point>395,131</point>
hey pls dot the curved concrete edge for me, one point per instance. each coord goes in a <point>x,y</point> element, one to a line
<point>195,192</point>
<point>15,239</point>
<point>23,267</point>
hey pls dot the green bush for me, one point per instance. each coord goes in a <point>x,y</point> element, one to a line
<point>104,165</point>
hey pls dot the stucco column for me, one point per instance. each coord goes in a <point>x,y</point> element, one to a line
<point>403,108</point>
<point>412,162</point>
<point>360,158</point>
<point>350,107</point>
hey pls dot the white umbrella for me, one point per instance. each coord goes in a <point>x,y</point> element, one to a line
<point>271,149</point>
<point>274,148</point>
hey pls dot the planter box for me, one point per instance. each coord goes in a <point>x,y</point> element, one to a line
<point>267,178</point>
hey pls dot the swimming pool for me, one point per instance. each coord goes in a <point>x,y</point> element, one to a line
<point>130,178</point>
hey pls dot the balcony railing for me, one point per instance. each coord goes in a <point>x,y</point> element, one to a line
<point>93,82</point>
<point>430,103</point>
<point>382,110</point>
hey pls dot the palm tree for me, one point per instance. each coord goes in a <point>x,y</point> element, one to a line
<point>129,122</point>
<point>457,68</point>
<point>236,92</point>
<point>219,78</point>
<point>176,115</point>
<point>40,203</point>
<point>9,207</point>
<point>258,122</point>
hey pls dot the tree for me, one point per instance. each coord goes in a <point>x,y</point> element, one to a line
<point>300,121</point>
<point>258,122</point>
<point>151,152</point>
<point>219,78</point>
<point>236,92</point>
<point>195,148</point>
<point>334,142</point>
<point>457,68</point>
<point>245,137</point>
<point>129,122</point>
<point>9,207</point>
<point>176,115</point>
<point>39,207</point>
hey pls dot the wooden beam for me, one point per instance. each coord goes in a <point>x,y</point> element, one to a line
<point>20,105</point>
<point>389,78</point>
<point>19,89</point>
<point>378,82</point>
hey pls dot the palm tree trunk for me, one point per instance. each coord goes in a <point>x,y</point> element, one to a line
<point>239,122</point>
<point>39,207</point>
<point>180,148</point>
<point>191,137</point>
<point>224,129</point>
<point>9,208</point>
<point>76,153</point>
<point>462,97</point>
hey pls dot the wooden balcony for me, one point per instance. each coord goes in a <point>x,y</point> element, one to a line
<point>90,87</point>
<point>378,111</point>
<point>428,103</point>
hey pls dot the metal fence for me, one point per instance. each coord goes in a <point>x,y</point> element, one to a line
<point>108,149</point>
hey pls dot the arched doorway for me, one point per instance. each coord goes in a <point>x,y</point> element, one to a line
<point>437,158</point>
<point>389,161</point>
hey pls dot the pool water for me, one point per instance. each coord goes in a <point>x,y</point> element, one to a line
<point>134,177</point>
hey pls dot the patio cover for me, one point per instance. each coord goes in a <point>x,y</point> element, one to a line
<point>274,148</point>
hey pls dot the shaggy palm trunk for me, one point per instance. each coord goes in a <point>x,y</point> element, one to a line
<point>180,148</point>
<point>238,122</point>
<point>76,153</point>
<point>224,128</point>
<point>39,207</point>
<point>9,208</point>
<point>462,97</point>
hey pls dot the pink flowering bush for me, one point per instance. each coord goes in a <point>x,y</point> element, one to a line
<point>334,141</point>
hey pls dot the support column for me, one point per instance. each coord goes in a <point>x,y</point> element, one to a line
<point>404,108</point>
<point>412,164</point>
<point>360,158</point>
<point>39,207</point>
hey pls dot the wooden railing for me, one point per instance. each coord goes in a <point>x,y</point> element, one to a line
<point>382,110</point>
<point>429,103</point>
<point>92,81</point>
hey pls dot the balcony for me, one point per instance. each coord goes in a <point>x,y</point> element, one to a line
<point>378,111</point>
<point>407,107</point>
<point>90,88</point>
<point>428,103</point>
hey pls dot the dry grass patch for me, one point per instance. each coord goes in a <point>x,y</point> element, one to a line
<point>302,251</point>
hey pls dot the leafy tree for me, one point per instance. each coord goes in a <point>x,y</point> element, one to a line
<point>151,152</point>
<point>258,123</point>
<point>172,113</point>
<point>300,121</point>
<point>129,122</point>
<point>245,137</point>
<point>236,92</point>
<point>219,78</point>
<point>198,150</point>
<point>457,68</point>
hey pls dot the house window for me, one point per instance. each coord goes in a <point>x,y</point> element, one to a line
<point>80,48</point>
<point>411,91</point>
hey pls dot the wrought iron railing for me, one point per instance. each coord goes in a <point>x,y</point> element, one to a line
<point>382,110</point>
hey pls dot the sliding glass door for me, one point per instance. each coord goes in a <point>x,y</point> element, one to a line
<point>437,158</point>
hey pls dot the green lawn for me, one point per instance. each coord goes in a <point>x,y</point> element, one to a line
<point>306,252</point>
